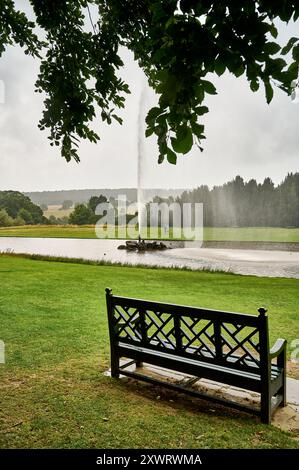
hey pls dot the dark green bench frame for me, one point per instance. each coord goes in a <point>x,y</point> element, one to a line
<point>230,348</point>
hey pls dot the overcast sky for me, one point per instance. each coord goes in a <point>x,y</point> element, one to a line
<point>245,136</point>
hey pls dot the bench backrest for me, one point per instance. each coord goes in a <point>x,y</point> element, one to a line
<point>236,340</point>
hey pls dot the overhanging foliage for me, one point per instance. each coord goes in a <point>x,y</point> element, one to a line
<point>178,44</point>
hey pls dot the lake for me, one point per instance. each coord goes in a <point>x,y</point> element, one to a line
<point>255,262</point>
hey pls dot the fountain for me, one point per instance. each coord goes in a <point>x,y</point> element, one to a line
<point>140,138</point>
<point>140,244</point>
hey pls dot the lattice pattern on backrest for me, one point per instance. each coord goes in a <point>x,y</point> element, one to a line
<point>126,323</point>
<point>160,329</point>
<point>240,345</point>
<point>235,345</point>
<point>158,326</point>
<point>211,339</point>
<point>198,336</point>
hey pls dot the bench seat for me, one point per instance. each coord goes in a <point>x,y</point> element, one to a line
<point>223,374</point>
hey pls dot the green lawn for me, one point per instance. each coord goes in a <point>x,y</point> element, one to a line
<point>253,234</point>
<point>52,389</point>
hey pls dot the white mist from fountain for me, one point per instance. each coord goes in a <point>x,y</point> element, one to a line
<point>140,160</point>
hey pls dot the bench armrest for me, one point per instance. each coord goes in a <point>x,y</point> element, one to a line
<point>278,348</point>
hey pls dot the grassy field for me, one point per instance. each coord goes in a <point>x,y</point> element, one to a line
<point>52,389</point>
<point>57,212</point>
<point>260,234</point>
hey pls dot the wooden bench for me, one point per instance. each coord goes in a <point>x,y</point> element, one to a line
<point>230,348</point>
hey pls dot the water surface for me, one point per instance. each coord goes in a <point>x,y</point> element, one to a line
<point>256,262</point>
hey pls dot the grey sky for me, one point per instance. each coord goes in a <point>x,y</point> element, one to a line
<point>244,136</point>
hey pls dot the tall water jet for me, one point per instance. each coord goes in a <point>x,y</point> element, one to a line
<point>145,194</point>
<point>141,245</point>
<point>140,154</point>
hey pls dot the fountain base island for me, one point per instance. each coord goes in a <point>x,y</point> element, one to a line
<point>142,245</point>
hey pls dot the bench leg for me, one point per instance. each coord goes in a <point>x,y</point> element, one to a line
<point>284,396</point>
<point>265,407</point>
<point>139,364</point>
<point>282,363</point>
<point>114,366</point>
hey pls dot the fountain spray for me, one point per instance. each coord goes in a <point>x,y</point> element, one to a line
<point>140,153</point>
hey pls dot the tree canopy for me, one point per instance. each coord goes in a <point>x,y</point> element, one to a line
<point>81,215</point>
<point>178,44</point>
<point>94,201</point>
<point>17,205</point>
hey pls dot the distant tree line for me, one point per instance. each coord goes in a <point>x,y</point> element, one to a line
<point>81,196</point>
<point>248,204</point>
<point>233,204</point>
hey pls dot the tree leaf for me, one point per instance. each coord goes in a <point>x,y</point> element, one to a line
<point>254,85</point>
<point>197,129</point>
<point>171,156</point>
<point>149,131</point>
<point>219,67</point>
<point>209,87</point>
<point>269,92</point>
<point>160,158</point>
<point>295,53</point>
<point>152,114</point>
<point>200,110</point>
<point>285,50</point>
<point>271,48</point>
<point>273,30</point>
<point>117,118</point>
<point>200,94</point>
<point>183,141</point>
<point>239,71</point>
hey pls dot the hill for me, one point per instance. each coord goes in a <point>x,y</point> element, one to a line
<point>83,195</point>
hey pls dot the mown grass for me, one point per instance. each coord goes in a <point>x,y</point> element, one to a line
<point>252,234</point>
<point>243,234</point>
<point>52,389</point>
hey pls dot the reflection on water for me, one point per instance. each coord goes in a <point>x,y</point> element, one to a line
<point>256,262</point>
